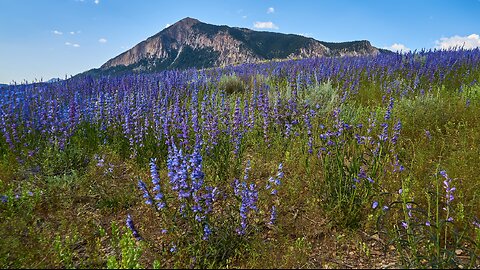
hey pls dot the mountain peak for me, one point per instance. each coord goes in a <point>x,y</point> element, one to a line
<point>192,43</point>
<point>186,22</point>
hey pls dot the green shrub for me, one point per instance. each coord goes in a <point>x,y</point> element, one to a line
<point>231,84</point>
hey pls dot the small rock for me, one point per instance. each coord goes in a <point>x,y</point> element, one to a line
<point>391,247</point>
<point>387,266</point>
<point>460,266</point>
<point>458,252</point>
<point>376,237</point>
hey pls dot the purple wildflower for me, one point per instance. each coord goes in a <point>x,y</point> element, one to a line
<point>206,232</point>
<point>132,228</point>
<point>409,208</point>
<point>428,135</point>
<point>109,170</point>
<point>288,129</point>
<point>237,130</point>
<point>280,173</point>
<point>178,171</point>
<point>396,132</point>
<point>476,224</point>
<point>397,166</point>
<point>308,125</point>
<point>196,174</point>
<point>4,198</point>
<point>266,121</point>
<point>388,113</point>
<point>249,197</point>
<point>448,189</point>
<point>384,135</point>
<point>146,194</point>
<point>273,215</point>
<point>100,161</point>
<point>156,185</point>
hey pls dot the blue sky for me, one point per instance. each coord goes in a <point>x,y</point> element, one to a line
<point>54,38</point>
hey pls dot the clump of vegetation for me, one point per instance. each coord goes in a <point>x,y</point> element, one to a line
<point>231,84</point>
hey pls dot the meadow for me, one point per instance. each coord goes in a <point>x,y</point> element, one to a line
<point>314,163</point>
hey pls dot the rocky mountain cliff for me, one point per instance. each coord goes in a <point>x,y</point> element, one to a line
<point>191,43</point>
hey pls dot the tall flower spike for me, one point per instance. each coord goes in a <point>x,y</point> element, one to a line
<point>196,174</point>
<point>273,215</point>
<point>388,113</point>
<point>384,135</point>
<point>279,173</point>
<point>247,169</point>
<point>132,228</point>
<point>396,132</point>
<point>249,197</point>
<point>160,204</point>
<point>146,194</point>
<point>448,189</point>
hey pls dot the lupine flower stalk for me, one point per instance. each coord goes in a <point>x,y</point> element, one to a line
<point>131,226</point>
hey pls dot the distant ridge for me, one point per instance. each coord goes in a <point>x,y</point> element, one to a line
<point>190,43</point>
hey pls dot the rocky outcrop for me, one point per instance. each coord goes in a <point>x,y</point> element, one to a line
<point>191,43</point>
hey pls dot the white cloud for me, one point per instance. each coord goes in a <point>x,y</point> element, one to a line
<point>398,47</point>
<point>102,40</point>
<point>305,34</point>
<point>270,10</point>
<point>468,42</point>
<point>72,44</point>
<point>56,32</point>
<point>97,2</point>
<point>265,25</point>
<point>244,16</point>
<point>72,33</point>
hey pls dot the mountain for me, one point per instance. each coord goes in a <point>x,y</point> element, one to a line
<point>191,43</point>
<point>54,80</point>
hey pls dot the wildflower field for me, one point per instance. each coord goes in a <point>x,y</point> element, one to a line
<point>313,163</point>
